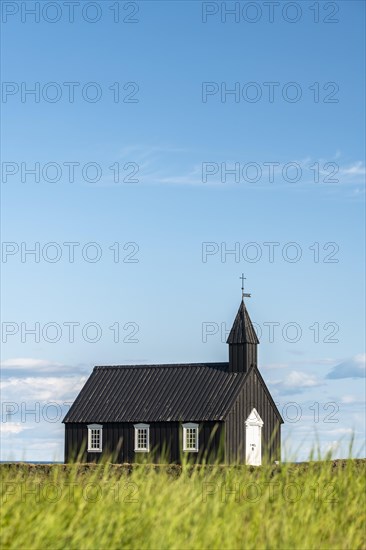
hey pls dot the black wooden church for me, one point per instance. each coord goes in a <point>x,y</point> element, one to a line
<point>206,411</point>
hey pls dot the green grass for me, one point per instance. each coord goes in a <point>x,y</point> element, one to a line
<point>312,505</point>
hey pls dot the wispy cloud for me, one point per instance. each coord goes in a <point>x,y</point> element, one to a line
<point>13,428</point>
<point>28,363</point>
<point>41,389</point>
<point>168,165</point>
<point>296,382</point>
<point>25,366</point>
<point>323,362</point>
<point>349,399</point>
<point>354,367</point>
<point>329,174</point>
<point>273,366</point>
<point>356,169</point>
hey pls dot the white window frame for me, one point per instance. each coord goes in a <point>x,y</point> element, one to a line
<point>95,427</point>
<point>188,426</point>
<point>138,427</point>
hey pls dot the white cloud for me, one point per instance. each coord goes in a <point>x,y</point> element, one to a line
<point>25,366</point>
<point>355,169</point>
<point>353,367</point>
<point>331,173</point>
<point>167,165</point>
<point>271,366</point>
<point>28,363</point>
<point>38,389</point>
<point>348,399</point>
<point>13,428</point>
<point>296,382</point>
<point>298,379</point>
<point>327,361</point>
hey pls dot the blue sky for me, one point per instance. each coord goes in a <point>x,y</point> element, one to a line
<point>174,286</point>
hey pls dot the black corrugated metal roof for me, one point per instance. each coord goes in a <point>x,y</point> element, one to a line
<point>157,393</point>
<point>242,331</point>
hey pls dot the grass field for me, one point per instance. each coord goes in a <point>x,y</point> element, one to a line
<point>311,505</point>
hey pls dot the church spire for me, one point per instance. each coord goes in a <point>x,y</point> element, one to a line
<point>242,331</point>
<point>242,339</point>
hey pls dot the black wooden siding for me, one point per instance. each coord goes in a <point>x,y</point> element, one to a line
<point>253,395</point>
<point>165,437</point>
<point>242,357</point>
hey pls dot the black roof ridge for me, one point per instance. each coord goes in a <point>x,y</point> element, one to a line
<point>154,365</point>
<point>128,393</point>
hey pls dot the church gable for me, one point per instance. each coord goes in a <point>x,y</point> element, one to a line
<point>253,395</point>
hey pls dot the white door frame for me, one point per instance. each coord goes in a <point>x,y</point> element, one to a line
<point>253,439</point>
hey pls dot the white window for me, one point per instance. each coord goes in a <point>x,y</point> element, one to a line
<point>95,439</point>
<point>142,438</point>
<point>190,437</point>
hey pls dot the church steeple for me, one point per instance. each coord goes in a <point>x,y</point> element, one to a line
<point>242,340</point>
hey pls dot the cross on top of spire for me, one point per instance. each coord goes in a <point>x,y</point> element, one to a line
<point>243,294</point>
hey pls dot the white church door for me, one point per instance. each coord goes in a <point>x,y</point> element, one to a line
<point>253,439</point>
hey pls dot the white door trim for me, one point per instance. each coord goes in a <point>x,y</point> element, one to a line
<point>253,439</point>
